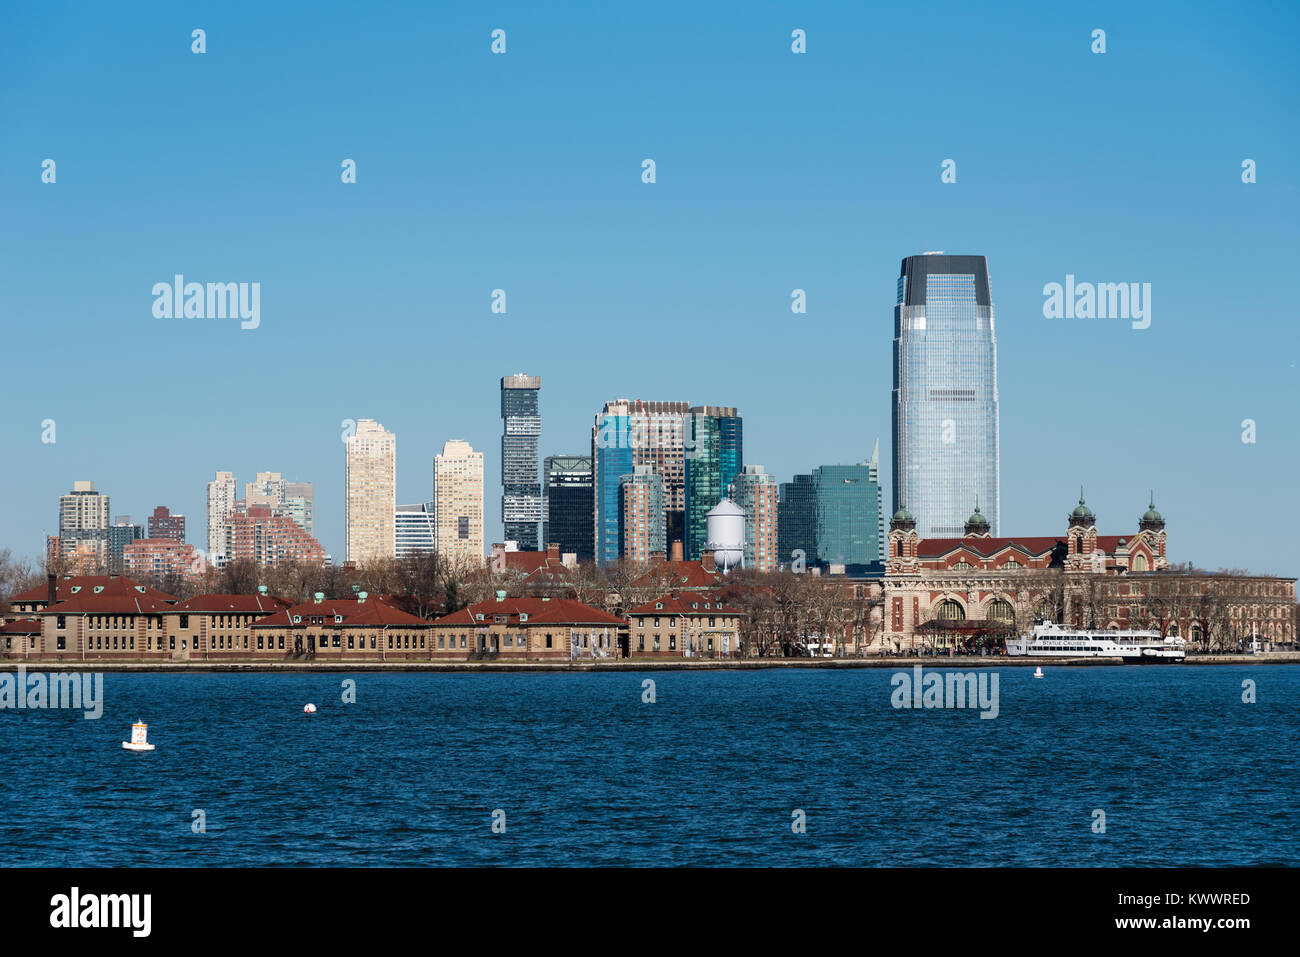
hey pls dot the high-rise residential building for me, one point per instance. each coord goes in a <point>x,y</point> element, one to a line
<point>413,526</point>
<point>221,502</point>
<point>458,503</point>
<point>641,527</point>
<point>261,534</point>
<point>945,415</point>
<point>268,489</point>
<point>570,501</point>
<point>160,559</point>
<point>714,456</point>
<point>164,524</point>
<point>850,522</point>
<point>521,491</point>
<point>84,523</point>
<point>758,494</point>
<point>121,534</point>
<point>299,504</point>
<point>370,492</point>
<point>796,525</point>
<point>628,433</point>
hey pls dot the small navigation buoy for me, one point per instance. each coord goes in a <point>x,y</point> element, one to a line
<point>309,708</point>
<point>1038,672</point>
<point>139,738</point>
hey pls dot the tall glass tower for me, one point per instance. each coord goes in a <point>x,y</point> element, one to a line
<point>945,420</point>
<point>521,492</point>
<point>715,454</point>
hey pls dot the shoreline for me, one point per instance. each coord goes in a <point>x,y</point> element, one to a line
<point>33,665</point>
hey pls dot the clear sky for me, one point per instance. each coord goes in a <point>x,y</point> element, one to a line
<point>522,171</point>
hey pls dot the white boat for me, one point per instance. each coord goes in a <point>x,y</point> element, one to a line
<point>139,738</point>
<point>1038,672</point>
<point>1050,640</point>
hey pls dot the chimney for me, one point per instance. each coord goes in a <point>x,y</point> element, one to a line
<point>51,588</point>
<point>677,550</point>
<point>552,552</point>
<point>706,559</point>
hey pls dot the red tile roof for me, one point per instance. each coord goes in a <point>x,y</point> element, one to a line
<point>543,611</point>
<point>23,626</point>
<point>371,613</point>
<point>684,575</point>
<point>675,604</point>
<point>110,584</point>
<point>988,547</point>
<point>233,604</point>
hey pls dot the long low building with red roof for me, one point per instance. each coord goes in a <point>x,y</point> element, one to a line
<point>691,625</point>
<point>364,628</point>
<point>529,629</point>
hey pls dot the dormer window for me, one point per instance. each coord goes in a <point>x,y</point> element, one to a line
<point>478,617</point>
<point>140,589</point>
<point>75,589</point>
<point>659,606</point>
<point>523,617</point>
<point>961,566</point>
<point>297,619</point>
<point>98,589</point>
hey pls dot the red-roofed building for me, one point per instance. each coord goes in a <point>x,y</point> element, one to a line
<point>19,638</point>
<point>101,616</point>
<point>363,628</point>
<point>529,628</point>
<point>689,625</point>
<point>62,587</point>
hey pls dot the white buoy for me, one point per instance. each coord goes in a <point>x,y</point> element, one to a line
<point>1038,672</point>
<point>309,708</point>
<point>139,738</point>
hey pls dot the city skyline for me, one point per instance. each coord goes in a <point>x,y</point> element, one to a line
<point>766,183</point>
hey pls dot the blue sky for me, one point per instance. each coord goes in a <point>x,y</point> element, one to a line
<point>522,172</point>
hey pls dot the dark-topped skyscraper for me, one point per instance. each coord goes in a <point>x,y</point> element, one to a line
<point>570,504</point>
<point>945,421</point>
<point>521,492</point>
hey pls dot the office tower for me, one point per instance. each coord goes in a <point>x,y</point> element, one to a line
<point>945,415</point>
<point>261,534</point>
<point>120,535</point>
<point>458,503</point>
<point>757,493</point>
<point>371,492</point>
<point>221,502</point>
<point>796,535</point>
<point>570,501</point>
<point>850,523</point>
<point>163,524</point>
<point>268,489</point>
<point>641,525</point>
<point>84,525</point>
<point>521,492</point>
<point>714,456</point>
<point>414,530</point>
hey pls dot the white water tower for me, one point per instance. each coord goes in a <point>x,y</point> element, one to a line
<point>725,534</point>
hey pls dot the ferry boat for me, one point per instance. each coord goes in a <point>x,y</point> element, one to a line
<point>1050,640</point>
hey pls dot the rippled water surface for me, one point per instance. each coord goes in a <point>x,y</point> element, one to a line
<point>709,774</point>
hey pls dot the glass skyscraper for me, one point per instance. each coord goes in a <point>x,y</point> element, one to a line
<point>945,415</point>
<point>850,527</point>
<point>570,503</point>
<point>715,453</point>
<point>521,492</point>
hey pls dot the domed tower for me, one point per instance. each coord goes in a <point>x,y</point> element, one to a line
<point>903,540</point>
<point>977,524</point>
<point>1153,524</point>
<point>1082,535</point>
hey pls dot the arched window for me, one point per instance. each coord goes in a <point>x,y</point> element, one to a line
<point>1011,563</point>
<point>1139,562</point>
<point>961,566</point>
<point>1000,611</point>
<point>949,610</point>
